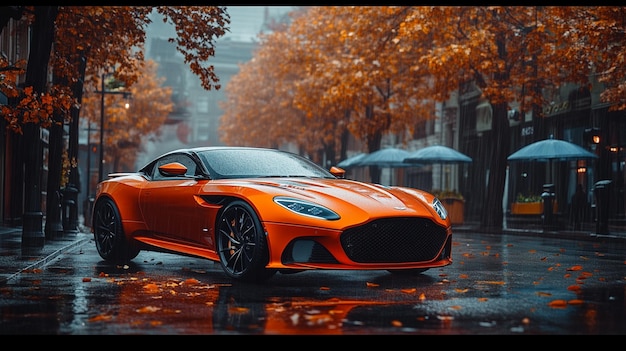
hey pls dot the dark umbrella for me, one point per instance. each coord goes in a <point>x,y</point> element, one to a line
<point>437,154</point>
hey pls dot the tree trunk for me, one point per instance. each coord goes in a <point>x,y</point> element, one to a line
<point>36,76</point>
<point>492,215</point>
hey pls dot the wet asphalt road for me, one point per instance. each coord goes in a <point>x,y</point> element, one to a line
<point>498,284</point>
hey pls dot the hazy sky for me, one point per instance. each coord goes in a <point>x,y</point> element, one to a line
<point>246,21</point>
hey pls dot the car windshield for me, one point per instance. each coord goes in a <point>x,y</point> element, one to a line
<point>247,163</point>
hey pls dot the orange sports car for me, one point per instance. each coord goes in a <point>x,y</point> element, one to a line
<point>260,211</point>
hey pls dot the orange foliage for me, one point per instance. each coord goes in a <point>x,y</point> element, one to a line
<point>108,36</point>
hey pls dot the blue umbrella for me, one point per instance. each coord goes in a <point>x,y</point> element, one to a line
<point>437,154</point>
<point>551,149</point>
<point>387,157</point>
<point>351,161</point>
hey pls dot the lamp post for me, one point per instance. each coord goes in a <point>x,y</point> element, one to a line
<point>102,92</point>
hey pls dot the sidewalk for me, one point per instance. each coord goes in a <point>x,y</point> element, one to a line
<point>615,233</point>
<point>15,259</point>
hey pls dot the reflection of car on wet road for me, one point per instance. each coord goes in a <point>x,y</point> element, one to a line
<point>261,211</point>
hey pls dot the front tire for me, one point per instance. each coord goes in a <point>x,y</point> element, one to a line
<point>241,244</point>
<point>109,234</point>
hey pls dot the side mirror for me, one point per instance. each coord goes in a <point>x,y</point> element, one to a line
<point>172,169</point>
<point>337,172</point>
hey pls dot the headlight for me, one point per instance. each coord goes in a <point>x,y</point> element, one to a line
<point>438,206</point>
<point>306,208</point>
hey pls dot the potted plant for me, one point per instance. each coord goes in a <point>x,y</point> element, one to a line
<point>527,205</point>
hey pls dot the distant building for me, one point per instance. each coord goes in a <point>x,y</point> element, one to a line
<point>195,120</point>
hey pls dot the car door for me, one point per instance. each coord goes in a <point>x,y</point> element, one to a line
<point>168,204</point>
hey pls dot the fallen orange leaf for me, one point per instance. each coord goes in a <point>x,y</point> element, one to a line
<point>151,288</point>
<point>371,285</point>
<point>463,276</point>
<point>541,293</point>
<point>575,268</point>
<point>409,291</point>
<point>148,309</point>
<point>396,323</point>
<point>238,310</point>
<point>491,282</point>
<point>558,304</point>
<point>191,281</point>
<point>86,279</point>
<point>573,288</point>
<point>575,302</point>
<point>101,317</point>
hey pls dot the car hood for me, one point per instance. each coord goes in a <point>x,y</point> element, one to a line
<point>360,201</point>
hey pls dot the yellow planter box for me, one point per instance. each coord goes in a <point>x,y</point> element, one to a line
<point>530,208</point>
<point>455,208</point>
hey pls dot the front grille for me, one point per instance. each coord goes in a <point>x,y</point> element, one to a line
<point>394,240</point>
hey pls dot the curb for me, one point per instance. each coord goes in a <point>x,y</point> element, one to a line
<point>46,259</point>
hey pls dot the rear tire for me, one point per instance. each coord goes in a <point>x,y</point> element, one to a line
<point>241,244</point>
<point>109,235</point>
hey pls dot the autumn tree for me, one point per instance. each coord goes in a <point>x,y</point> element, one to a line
<point>101,38</point>
<point>338,66</point>
<point>515,55</point>
<point>260,109</point>
<point>376,70</point>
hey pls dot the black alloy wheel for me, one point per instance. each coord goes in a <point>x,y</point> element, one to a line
<point>109,234</point>
<point>241,243</point>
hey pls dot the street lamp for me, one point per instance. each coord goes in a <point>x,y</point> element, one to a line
<point>102,92</point>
